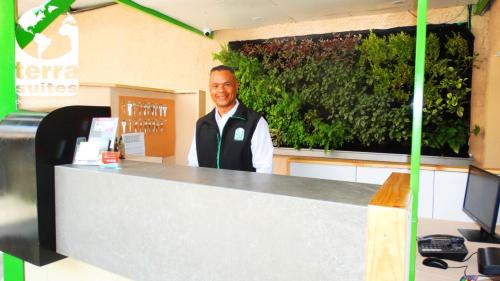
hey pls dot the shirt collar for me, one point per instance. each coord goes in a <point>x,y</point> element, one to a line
<point>228,114</point>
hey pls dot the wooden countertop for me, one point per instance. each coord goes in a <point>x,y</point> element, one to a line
<point>394,192</point>
<point>381,164</point>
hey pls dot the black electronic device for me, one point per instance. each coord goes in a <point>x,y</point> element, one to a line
<point>488,261</point>
<point>443,247</point>
<point>435,262</point>
<point>481,202</point>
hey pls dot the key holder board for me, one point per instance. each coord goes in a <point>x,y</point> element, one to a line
<point>154,117</point>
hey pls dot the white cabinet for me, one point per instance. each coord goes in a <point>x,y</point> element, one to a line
<point>425,194</point>
<point>449,191</point>
<point>371,175</point>
<point>376,175</point>
<point>441,193</point>
<point>321,171</point>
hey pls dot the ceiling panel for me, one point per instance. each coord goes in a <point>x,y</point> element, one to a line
<point>234,14</point>
<point>321,9</point>
<point>220,14</point>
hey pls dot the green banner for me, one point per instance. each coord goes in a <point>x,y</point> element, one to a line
<point>44,16</point>
<point>7,58</point>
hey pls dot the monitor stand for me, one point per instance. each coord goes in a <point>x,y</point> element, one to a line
<point>474,235</point>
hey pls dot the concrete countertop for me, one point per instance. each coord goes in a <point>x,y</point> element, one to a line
<point>151,222</point>
<point>318,189</point>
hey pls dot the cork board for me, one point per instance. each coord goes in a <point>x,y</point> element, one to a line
<point>155,117</point>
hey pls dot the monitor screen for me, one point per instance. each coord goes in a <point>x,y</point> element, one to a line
<point>481,202</point>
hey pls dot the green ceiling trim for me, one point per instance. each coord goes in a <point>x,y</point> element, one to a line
<point>13,268</point>
<point>50,10</point>
<point>481,6</point>
<point>8,97</point>
<point>416,139</point>
<point>162,16</point>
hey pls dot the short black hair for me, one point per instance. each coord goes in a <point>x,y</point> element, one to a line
<point>222,68</point>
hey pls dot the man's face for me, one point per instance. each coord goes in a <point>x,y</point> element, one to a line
<point>223,89</point>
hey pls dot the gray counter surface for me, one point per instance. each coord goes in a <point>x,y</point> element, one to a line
<point>153,222</point>
<point>300,187</point>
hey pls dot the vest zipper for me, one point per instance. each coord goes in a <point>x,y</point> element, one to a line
<point>219,140</point>
<point>237,117</point>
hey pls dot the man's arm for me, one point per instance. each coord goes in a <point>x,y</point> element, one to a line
<point>192,155</point>
<point>262,148</point>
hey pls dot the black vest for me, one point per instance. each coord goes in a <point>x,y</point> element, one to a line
<point>231,149</point>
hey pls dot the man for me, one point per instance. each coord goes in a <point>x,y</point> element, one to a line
<point>231,136</point>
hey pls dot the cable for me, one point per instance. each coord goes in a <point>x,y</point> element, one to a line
<point>459,14</point>
<point>467,258</point>
<point>466,277</point>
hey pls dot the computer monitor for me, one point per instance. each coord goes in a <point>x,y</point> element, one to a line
<point>481,202</point>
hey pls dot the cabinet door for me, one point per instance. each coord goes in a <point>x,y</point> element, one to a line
<point>320,171</point>
<point>425,194</point>
<point>449,191</point>
<point>376,175</point>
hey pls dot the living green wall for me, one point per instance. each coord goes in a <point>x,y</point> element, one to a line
<point>354,91</point>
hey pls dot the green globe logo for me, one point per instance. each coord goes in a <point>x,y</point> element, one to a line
<point>48,66</point>
<point>63,35</point>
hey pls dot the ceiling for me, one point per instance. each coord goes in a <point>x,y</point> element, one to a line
<point>236,14</point>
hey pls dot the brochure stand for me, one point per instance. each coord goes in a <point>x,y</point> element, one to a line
<point>101,139</point>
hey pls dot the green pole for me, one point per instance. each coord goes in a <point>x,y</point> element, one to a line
<point>162,16</point>
<point>481,7</point>
<point>8,101</point>
<point>417,128</point>
<point>13,268</point>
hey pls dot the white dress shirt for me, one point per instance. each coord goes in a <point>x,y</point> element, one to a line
<point>261,143</point>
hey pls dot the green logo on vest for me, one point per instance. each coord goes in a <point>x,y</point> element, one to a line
<point>239,134</point>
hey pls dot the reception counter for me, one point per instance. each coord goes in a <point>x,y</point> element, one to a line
<point>151,222</point>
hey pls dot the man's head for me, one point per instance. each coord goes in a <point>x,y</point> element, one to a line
<point>223,88</point>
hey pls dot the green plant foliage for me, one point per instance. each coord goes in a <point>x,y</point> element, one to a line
<point>447,93</point>
<point>348,89</point>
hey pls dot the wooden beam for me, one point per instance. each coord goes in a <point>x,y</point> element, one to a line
<point>388,220</point>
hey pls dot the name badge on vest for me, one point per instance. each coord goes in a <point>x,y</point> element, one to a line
<point>239,134</point>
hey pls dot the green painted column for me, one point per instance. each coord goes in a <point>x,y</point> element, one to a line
<point>416,141</point>
<point>13,268</point>
<point>8,98</point>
